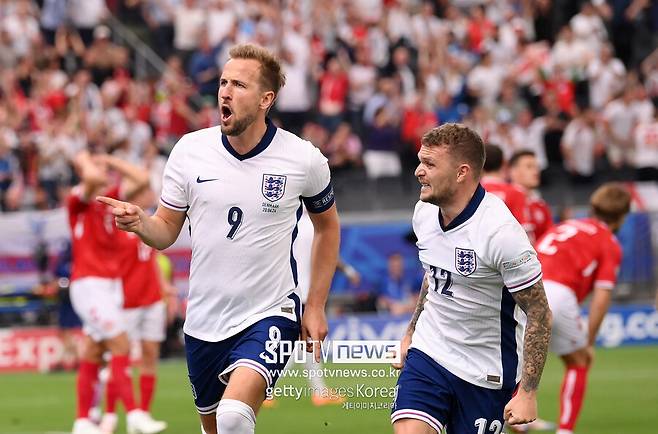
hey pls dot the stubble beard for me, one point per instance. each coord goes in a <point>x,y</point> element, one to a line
<point>239,125</point>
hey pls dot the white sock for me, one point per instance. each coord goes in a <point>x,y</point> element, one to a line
<point>235,417</point>
<point>314,375</point>
<point>564,431</point>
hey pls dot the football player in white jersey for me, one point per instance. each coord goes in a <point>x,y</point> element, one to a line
<point>469,363</point>
<point>242,185</point>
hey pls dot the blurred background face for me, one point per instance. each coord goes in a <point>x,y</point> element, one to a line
<point>395,265</point>
<point>526,172</point>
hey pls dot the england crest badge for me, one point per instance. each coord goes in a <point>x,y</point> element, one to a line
<point>273,187</point>
<point>465,261</point>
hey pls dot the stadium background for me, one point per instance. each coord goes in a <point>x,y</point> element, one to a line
<point>365,79</point>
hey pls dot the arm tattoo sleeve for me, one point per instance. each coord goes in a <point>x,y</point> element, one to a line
<point>419,306</point>
<point>533,302</point>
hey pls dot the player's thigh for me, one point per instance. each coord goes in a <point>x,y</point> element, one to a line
<point>97,301</point>
<point>147,323</point>
<point>569,332</point>
<point>423,395</point>
<point>412,426</point>
<point>478,410</point>
<point>264,348</point>
<point>246,385</point>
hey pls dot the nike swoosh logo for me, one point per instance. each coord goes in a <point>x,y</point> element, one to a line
<point>199,180</point>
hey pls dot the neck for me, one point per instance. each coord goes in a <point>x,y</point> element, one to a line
<point>248,140</point>
<point>451,210</point>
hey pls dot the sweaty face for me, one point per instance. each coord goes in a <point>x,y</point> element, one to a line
<point>526,172</point>
<point>239,95</point>
<point>437,174</point>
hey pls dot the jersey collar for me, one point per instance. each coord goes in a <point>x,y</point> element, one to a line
<point>467,213</point>
<point>260,147</point>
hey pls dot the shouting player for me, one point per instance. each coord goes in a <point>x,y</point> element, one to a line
<point>242,185</point>
<point>96,290</point>
<point>580,257</point>
<point>467,348</point>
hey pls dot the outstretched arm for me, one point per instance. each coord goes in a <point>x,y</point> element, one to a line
<point>158,231</point>
<point>523,407</point>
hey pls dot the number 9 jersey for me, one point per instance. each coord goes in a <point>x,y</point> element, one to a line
<point>470,324</point>
<point>243,211</point>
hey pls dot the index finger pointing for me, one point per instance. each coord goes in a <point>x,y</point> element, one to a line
<point>109,201</point>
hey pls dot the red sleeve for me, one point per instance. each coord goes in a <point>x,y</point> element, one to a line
<point>607,271</point>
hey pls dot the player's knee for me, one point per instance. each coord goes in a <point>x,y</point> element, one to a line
<point>235,417</point>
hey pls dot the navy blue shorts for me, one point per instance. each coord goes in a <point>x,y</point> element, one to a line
<point>428,392</point>
<point>209,364</point>
<point>67,318</point>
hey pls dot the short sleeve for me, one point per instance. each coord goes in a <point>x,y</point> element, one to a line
<point>174,195</point>
<point>608,269</point>
<point>318,193</point>
<point>511,253</point>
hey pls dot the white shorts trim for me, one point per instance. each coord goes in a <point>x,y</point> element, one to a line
<point>147,323</point>
<point>98,302</point>
<point>569,332</point>
<point>208,410</point>
<point>407,413</point>
<point>247,363</point>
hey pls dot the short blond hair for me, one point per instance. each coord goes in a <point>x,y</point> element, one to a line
<point>610,202</point>
<point>463,144</point>
<point>271,73</point>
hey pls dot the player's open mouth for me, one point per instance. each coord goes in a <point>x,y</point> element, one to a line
<point>424,186</point>
<point>226,113</point>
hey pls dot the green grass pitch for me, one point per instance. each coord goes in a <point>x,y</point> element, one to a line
<point>622,398</point>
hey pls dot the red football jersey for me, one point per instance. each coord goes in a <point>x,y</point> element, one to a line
<point>93,234</point>
<point>541,219</point>
<point>513,196</point>
<point>580,254</point>
<point>141,282</point>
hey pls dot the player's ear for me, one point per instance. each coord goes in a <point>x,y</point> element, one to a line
<point>463,172</point>
<point>267,100</point>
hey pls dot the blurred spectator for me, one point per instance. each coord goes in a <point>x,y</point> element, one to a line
<point>362,77</point>
<point>396,292</point>
<point>447,110</point>
<point>159,16</point>
<point>485,80</point>
<point>343,149</point>
<point>381,157</point>
<point>189,22</point>
<point>606,75</point>
<point>221,18</point>
<point>22,28</point>
<point>8,171</point>
<point>86,16</point>
<point>333,89</point>
<point>619,120</point>
<point>580,145</point>
<point>70,48</point>
<point>646,150</point>
<point>203,68</point>
<point>103,57</point>
<point>54,14</point>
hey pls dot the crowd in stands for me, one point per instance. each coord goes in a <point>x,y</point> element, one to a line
<point>574,81</point>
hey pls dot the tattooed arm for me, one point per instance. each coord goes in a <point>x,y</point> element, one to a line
<point>406,340</point>
<point>523,407</point>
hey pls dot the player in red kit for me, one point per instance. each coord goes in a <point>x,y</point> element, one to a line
<point>580,257</point>
<point>96,290</point>
<point>494,182</point>
<point>524,172</point>
<point>144,314</point>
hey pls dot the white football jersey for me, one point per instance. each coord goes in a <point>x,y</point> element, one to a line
<point>470,324</point>
<point>243,212</point>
